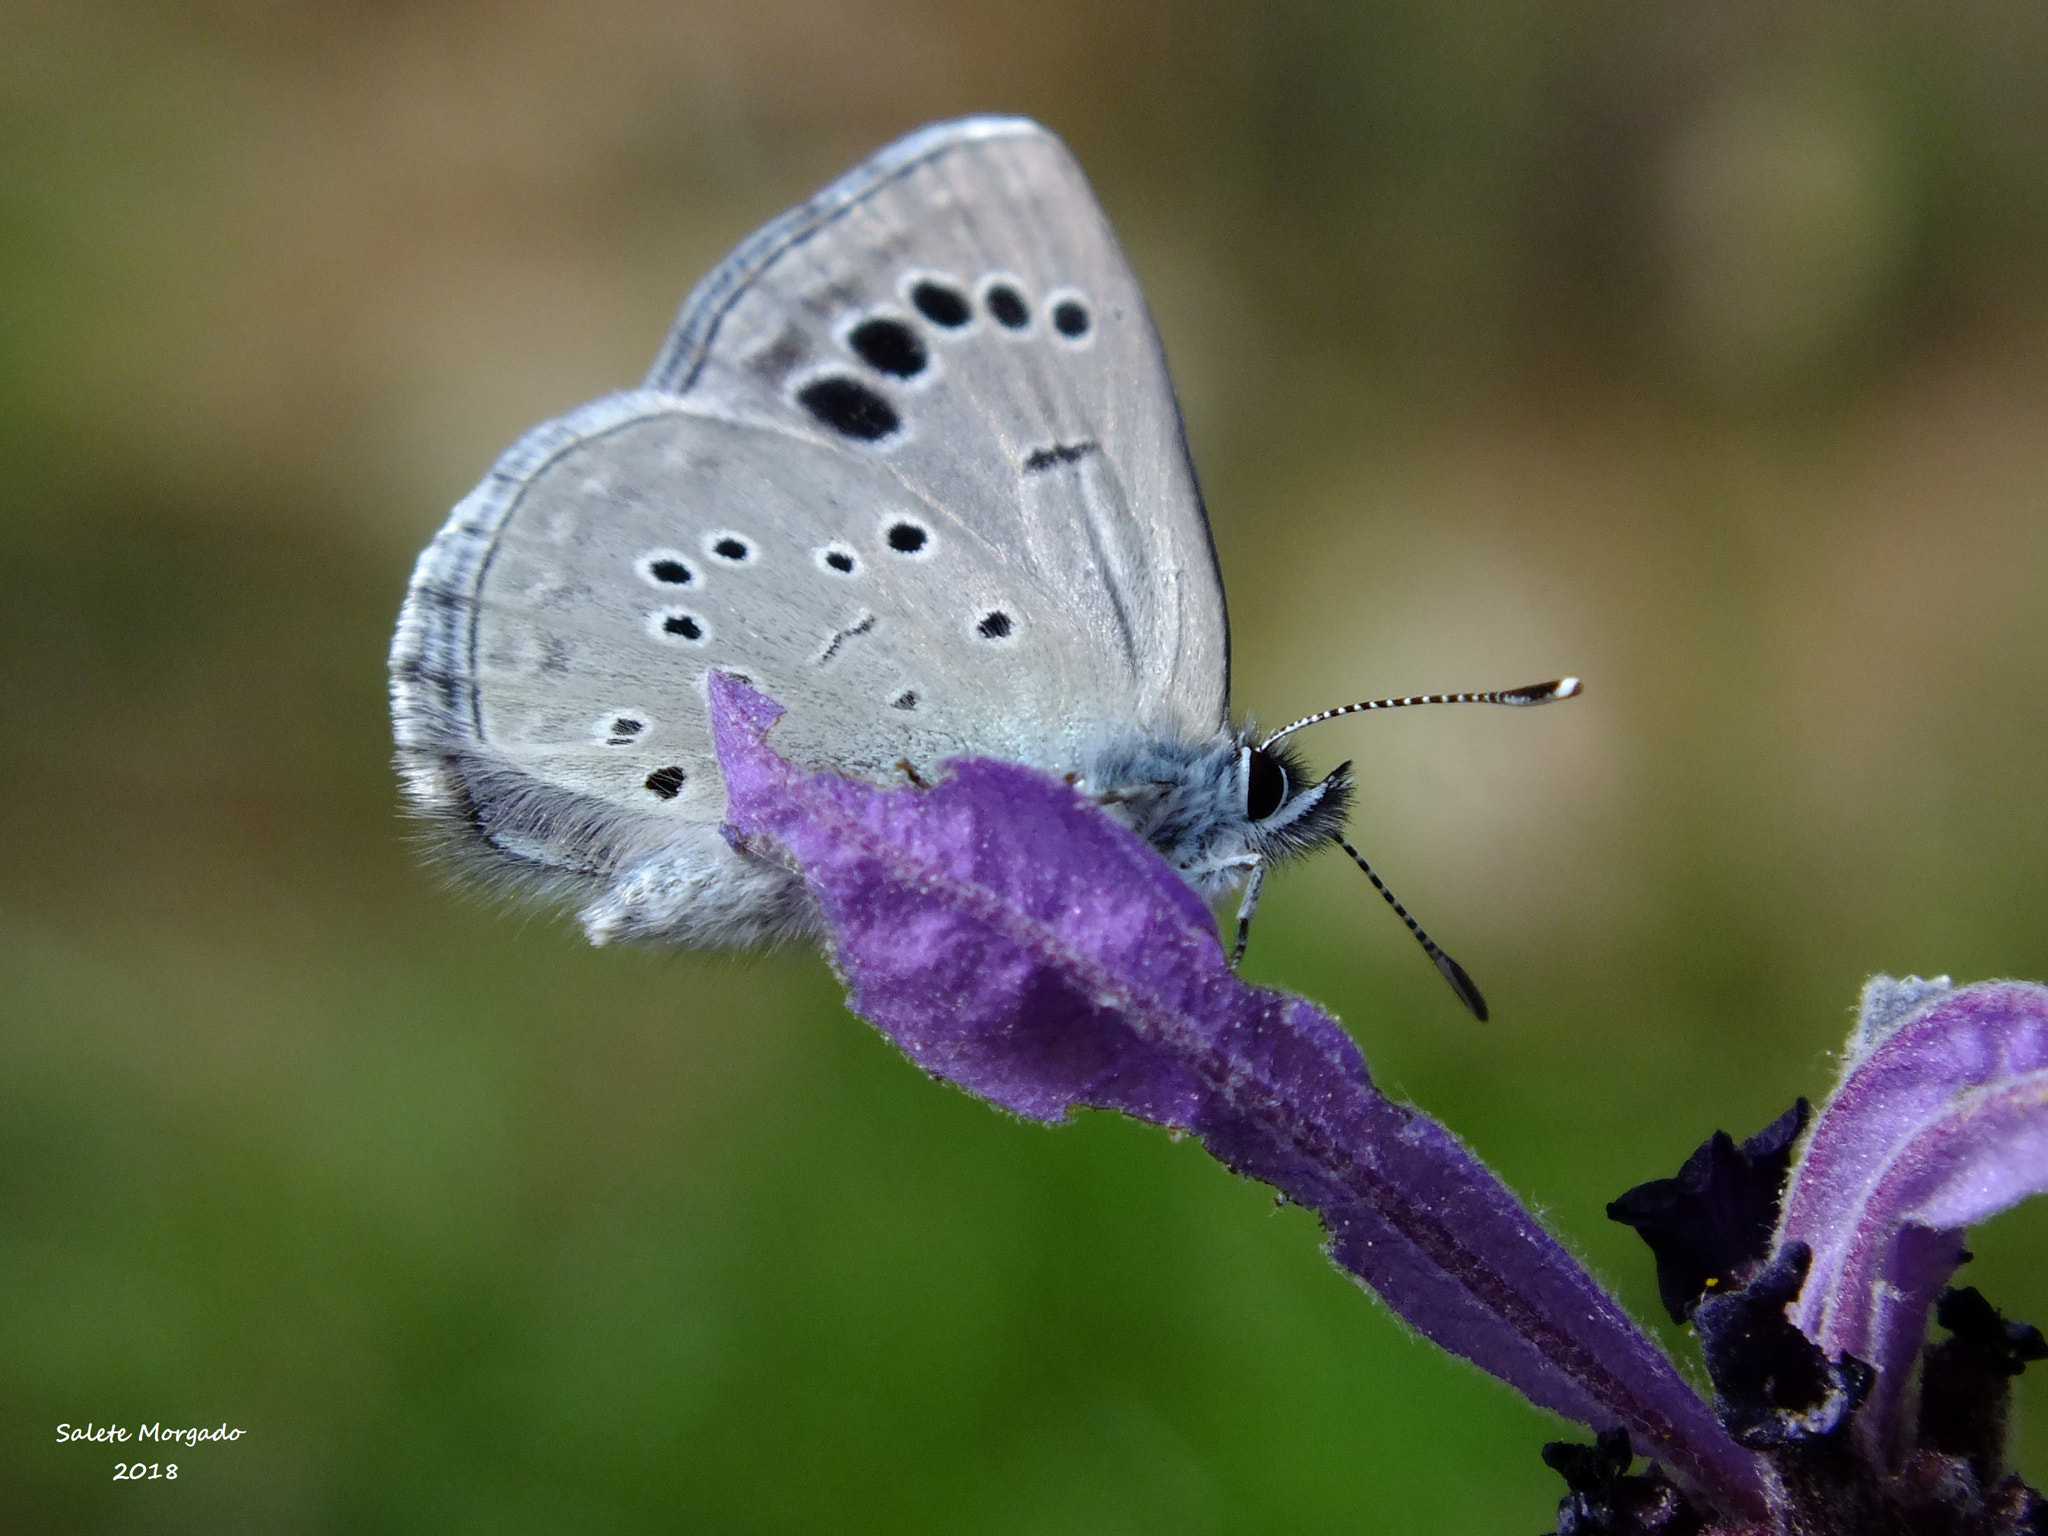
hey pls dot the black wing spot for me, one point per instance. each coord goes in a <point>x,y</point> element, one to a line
<point>1070,318</point>
<point>906,538</point>
<point>907,699</point>
<point>667,782</point>
<point>942,304</point>
<point>670,572</point>
<point>1008,306</point>
<point>623,729</point>
<point>685,626</point>
<point>994,625</point>
<point>849,407</point>
<point>889,346</point>
<point>728,546</point>
<point>1059,453</point>
<point>838,559</point>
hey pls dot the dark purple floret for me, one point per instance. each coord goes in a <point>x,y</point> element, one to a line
<point>1982,1335</point>
<point>1966,1380</point>
<point>1772,1384</point>
<point>1605,1500</point>
<point>1711,1226</point>
<point>1591,1470</point>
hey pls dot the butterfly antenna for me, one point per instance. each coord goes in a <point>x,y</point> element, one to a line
<point>1453,972</point>
<point>1535,693</point>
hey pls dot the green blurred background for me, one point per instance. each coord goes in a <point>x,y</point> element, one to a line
<point>1695,349</point>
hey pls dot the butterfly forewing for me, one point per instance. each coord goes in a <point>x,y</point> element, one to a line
<point>1031,404</point>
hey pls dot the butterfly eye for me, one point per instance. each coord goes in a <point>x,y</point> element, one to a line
<point>1265,784</point>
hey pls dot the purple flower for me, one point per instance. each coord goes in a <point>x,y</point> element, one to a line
<point>1012,939</point>
<point>1940,1121</point>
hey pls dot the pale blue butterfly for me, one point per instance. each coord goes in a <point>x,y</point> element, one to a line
<point>909,462</point>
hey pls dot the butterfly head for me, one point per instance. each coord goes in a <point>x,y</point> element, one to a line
<point>1217,811</point>
<point>1286,810</point>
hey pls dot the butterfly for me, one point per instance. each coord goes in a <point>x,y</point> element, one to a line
<point>909,461</point>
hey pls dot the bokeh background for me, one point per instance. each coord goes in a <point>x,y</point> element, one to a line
<point>1696,349</point>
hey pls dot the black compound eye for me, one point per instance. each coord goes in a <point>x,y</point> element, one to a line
<point>1265,784</point>
<point>941,304</point>
<point>888,346</point>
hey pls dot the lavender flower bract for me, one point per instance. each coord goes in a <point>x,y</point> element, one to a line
<point>1011,938</point>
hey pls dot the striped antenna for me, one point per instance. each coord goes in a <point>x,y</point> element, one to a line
<point>1535,693</point>
<point>1453,972</point>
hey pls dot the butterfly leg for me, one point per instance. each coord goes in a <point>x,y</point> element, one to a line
<point>1255,867</point>
<point>1245,909</point>
<point>1133,794</point>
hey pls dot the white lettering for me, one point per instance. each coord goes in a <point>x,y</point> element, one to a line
<point>107,1433</point>
<point>102,1432</point>
<point>190,1436</point>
